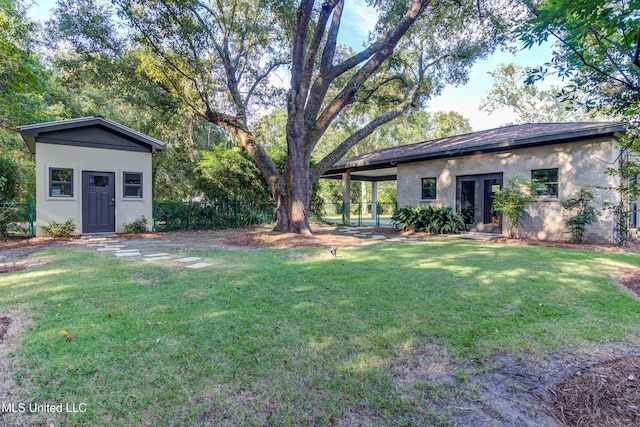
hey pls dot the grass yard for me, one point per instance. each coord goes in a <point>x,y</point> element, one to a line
<point>295,337</point>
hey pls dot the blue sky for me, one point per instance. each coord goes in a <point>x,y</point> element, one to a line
<point>358,19</point>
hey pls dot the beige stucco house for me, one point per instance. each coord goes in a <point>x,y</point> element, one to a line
<point>92,170</point>
<point>464,171</point>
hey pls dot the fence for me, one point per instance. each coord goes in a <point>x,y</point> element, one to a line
<point>16,219</point>
<point>173,216</point>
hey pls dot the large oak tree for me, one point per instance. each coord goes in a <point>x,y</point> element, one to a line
<point>233,61</point>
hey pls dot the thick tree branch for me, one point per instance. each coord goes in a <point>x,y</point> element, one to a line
<point>346,95</point>
<point>263,162</point>
<point>590,65</point>
<point>323,81</point>
<point>339,152</point>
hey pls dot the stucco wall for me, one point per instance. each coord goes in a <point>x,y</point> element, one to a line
<point>80,159</point>
<point>578,163</point>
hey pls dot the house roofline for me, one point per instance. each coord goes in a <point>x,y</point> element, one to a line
<point>613,129</point>
<point>30,132</point>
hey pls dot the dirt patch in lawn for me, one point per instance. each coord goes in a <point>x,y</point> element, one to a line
<point>13,253</point>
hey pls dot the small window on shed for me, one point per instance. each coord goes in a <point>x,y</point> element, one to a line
<point>428,188</point>
<point>548,177</point>
<point>60,182</point>
<point>133,185</point>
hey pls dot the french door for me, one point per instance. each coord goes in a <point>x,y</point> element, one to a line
<point>474,201</point>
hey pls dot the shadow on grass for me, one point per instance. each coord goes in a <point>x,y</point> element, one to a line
<point>264,339</point>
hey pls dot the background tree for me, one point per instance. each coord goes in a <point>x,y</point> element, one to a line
<point>23,80</point>
<point>528,101</point>
<point>597,47</point>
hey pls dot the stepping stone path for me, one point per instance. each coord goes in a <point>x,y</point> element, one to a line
<point>119,250</point>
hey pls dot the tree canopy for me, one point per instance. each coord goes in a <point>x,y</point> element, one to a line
<point>218,58</point>
<point>597,46</point>
<point>527,100</point>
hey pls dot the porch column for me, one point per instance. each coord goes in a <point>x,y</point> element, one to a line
<point>346,197</point>
<point>374,200</point>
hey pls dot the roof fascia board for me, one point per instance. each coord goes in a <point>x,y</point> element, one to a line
<point>539,140</point>
<point>31,132</point>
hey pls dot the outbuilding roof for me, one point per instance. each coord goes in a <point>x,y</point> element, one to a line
<point>492,140</point>
<point>30,133</point>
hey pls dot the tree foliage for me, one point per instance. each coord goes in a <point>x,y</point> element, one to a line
<point>22,75</point>
<point>597,46</point>
<point>230,175</point>
<point>527,100</point>
<point>9,179</point>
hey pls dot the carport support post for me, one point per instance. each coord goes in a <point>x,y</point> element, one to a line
<point>374,201</point>
<point>346,198</point>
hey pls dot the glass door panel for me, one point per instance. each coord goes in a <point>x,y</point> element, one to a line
<point>468,201</point>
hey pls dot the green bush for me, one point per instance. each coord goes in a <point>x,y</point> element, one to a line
<point>439,220</point>
<point>511,201</point>
<point>56,229</point>
<point>579,212</point>
<point>137,226</point>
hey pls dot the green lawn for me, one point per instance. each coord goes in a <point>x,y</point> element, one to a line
<point>269,337</point>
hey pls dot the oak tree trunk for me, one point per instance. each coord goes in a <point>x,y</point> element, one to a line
<point>292,207</point>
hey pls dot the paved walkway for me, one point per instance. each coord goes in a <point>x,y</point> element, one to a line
<point>120,250</point>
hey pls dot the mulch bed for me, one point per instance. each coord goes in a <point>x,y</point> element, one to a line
<point>606,394</point>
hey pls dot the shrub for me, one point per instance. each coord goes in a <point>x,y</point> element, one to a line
<point>512,199</point>
<point>579,212</point>
<point>136,226</point>
<point>55,229</point>
<point>439,220</point>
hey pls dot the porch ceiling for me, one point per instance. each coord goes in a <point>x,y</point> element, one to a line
<point>367,174</point>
